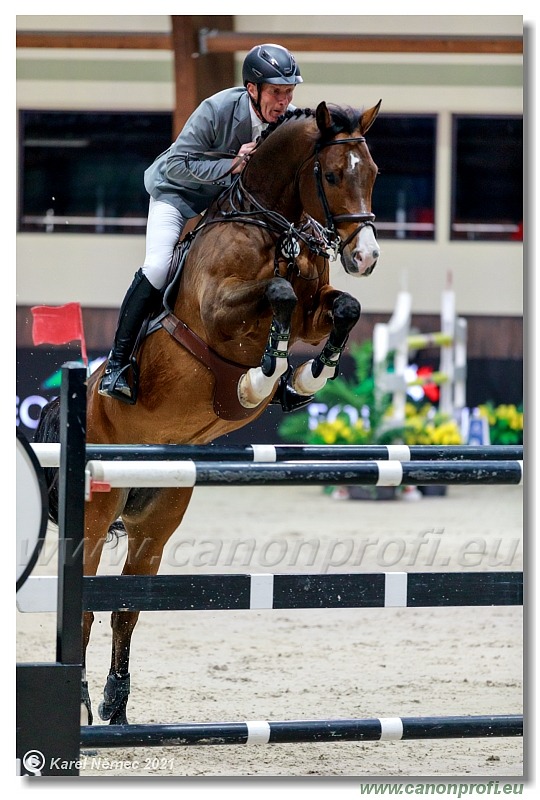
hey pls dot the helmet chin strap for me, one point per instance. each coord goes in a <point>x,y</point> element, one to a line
<point>257,104</point>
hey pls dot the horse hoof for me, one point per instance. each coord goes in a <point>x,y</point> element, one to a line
<point>105,711</point>
<point>115,697</point>
<point>115,716</point>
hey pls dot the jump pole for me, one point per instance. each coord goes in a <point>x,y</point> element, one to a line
<point>104,475</point>
<point>49,454</point>
<point>448,322</point>
<point>266,591</point>
<point>382,729</point>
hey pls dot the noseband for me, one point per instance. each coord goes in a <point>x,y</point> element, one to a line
<point>332,220</point>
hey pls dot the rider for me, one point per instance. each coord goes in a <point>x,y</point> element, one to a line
<point>231,121</point>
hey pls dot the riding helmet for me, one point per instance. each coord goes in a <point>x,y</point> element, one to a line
<point>270,63</point>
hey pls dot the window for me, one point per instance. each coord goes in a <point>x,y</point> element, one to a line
<point>82,172</point>
<point>403,147</point>
<point>487,197</point>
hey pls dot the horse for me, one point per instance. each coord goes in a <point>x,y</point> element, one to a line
<point>254,280</point>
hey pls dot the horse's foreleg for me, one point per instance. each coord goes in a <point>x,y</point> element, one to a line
<point>259,383</point>
<point>312,376</point>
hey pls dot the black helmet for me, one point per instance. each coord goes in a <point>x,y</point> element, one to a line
<point>270,63</point>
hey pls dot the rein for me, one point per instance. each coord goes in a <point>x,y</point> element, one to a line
<point>328,243</point>
<point>210,155</point>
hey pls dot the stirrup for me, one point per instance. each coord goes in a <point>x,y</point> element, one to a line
<point>112,389</point>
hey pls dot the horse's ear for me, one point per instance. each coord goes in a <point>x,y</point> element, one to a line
<point>322,115</point>
<point>369,117</point>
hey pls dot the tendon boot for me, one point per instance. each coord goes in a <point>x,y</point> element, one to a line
<point>139,301</point>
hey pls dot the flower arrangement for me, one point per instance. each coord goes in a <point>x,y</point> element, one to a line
<point>426,425</point>
<point>505,423</point>
<point>353,413</point>
<point>349,411</point>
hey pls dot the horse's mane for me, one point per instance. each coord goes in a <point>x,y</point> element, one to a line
<point>345,119</point>
<point>298,112</point>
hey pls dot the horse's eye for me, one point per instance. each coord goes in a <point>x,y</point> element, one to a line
<point>331,178</point>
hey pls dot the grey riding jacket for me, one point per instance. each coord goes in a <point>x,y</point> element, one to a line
<point>221,123</point>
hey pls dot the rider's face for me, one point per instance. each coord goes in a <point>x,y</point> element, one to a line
<point>274,99</point>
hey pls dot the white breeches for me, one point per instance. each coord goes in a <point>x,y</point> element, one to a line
<point>163,229</point>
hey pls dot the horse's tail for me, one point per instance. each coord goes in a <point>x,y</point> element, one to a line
<point>48,430</point>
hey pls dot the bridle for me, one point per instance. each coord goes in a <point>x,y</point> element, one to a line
<point>328,238</point>
<point>365,219</point>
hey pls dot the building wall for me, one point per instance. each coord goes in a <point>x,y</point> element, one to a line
<point>96,269</point>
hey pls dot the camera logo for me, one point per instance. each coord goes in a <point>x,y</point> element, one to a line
<point>33,762</point>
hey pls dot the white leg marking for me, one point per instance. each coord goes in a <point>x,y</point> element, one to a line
<point>303,381</point>
<point>255,386</point>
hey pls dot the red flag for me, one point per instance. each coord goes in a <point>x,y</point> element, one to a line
<point>59,325</point>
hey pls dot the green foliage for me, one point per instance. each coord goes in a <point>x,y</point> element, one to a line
<point>505,423</point>
<point>359,392</point>
<point>424,424</point>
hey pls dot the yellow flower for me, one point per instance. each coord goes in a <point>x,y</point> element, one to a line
<point>517,422</point>
<point>410,410</point>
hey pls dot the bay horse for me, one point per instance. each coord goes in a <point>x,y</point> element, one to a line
<point>254,281</point>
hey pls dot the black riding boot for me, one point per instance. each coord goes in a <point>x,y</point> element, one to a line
<point>138,303</point>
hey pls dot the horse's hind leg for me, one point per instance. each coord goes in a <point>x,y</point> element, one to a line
<point>117,687</point>
<point>147,538</point>
<point>312,376</point>
<point>259,382</point>
<point>97,519</point>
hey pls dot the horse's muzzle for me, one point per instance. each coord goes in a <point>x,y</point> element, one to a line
<point>370,269</point>
<point>359,265</point>
<point>359,257</point>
